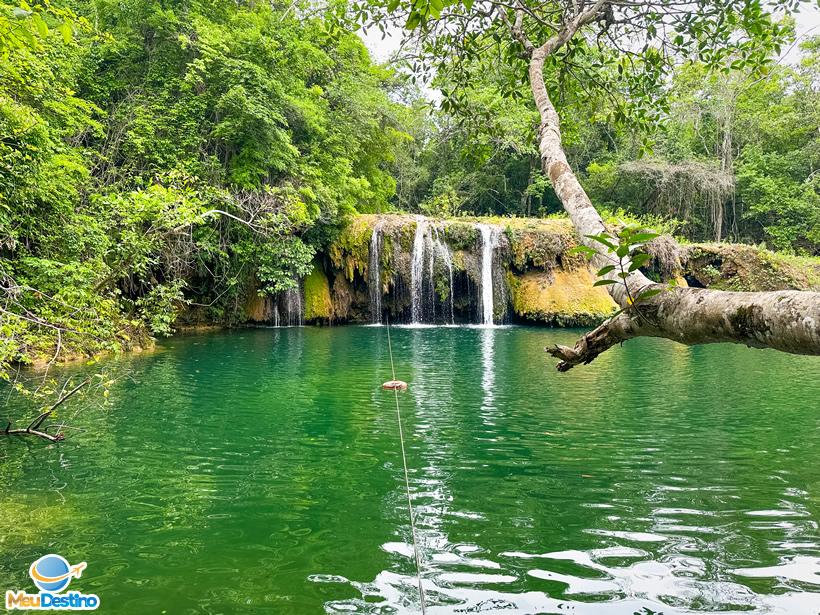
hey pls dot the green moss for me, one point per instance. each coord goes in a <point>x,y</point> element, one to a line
<point>460,235</point>
<point>386,260</point>
<point>407,234</point>
<point>564,298</point>
<point>458,261</point>
<point>749,268</point>
<point>538,243</point>
<point>350,252</point>
<point>537,248</point>
<point>318,304</point>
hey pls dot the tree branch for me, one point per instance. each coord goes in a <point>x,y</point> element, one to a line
<point>785,320</point>
<point>33,428</point>
<point>614,331</point>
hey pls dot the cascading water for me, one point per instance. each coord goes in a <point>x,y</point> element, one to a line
<point>293,307</point>
<point>489,242</point>
<point>375,274</point>
<point>417,270</point>
<point>428,246</point>
<point>444,251</point>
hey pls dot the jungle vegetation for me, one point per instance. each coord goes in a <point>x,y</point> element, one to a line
<point>156,154</point>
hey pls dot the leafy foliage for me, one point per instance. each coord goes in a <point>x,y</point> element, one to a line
<point>627,255</point>
<point>178,154</point>
<point>701,125</point>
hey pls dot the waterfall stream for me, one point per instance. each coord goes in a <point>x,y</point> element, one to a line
<point>293,307</point>
<point>489,242</point>
<point>417,271</point>
<point>432,283</point>
<point>375,274</point>
<point>428,248</point>
<point>444,251</point>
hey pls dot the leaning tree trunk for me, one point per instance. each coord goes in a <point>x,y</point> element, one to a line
<point>784,320</point>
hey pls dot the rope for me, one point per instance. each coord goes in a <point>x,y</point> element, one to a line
<point>406,477</point>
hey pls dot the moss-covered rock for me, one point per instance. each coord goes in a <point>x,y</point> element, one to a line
<point>548,283</point>
<point>541,245</point>
<point>460,235</point>
<point>318,304</point>
<point>747,268</point>
<point>343,298</point>
<point>350,252</point>
<point>259,308</point>
<point>562,298</point>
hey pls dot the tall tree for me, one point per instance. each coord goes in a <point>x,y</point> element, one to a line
<point>643,40</point>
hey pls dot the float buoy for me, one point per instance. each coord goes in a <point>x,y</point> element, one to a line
<point>395,385</point>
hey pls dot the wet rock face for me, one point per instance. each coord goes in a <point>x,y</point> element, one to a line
<point>283,309</point>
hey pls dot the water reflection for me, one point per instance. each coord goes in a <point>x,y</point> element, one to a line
<point>488,374</point>
<point>654,553</point>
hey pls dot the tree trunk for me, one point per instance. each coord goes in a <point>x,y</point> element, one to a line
<point>784,320</point>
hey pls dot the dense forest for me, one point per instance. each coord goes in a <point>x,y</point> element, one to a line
<point>157,155</point>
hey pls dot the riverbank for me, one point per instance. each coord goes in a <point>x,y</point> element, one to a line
<point>462,270</point>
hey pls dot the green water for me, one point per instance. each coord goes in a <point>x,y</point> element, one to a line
<point>259,471</point>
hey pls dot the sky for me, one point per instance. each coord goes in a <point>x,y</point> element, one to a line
<point>381,48</point>
<point>808,23</point>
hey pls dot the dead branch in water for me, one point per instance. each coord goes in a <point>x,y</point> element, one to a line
<point>34,428</point>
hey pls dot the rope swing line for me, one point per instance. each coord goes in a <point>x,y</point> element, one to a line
<point>406,474</point>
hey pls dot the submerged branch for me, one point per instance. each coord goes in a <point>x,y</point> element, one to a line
<point>33,428</point>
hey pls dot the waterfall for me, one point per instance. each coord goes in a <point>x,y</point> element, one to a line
<point>417,270</point>
<point>375,274</point>
<point>444,250</point>
<point>429,247</point>
<point>489,241</point>
<point>293,307</point>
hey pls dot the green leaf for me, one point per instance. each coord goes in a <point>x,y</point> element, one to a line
<point>649,293</point>
<point>644,237</point>
<point>604,282</point>
<point>582,250</point>
<point>622,251</point>
<point>605,270</point>
<point>392,5</point>
<point>66,31</point>
<point>639,260</point>
<point>40,24</point>
<point>603,239</point>
<point>413,21</point>
<point>468,4</point>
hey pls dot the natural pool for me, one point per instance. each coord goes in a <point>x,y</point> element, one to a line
<point>258,471</point>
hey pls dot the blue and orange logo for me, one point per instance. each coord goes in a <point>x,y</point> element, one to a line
<point>51,574</point>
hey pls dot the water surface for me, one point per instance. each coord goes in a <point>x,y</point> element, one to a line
<point>258,471</point>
